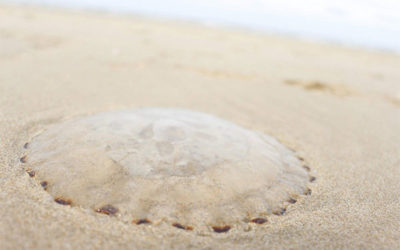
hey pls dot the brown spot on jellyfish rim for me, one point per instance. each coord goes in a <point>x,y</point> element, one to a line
<point>23,159</point>
<point>259,220</point>
<point>280,212</point>
<point>142,221</point>
<point>300,158</point>
<point>31,173</point>
<point>308,192</point>
<point>63,201</point>
<point>312,178</point>
<point>108,210</point>
<point>180,226</point>
<point>163,142</point>
<point>44,184</point>
<point>221,229</point>
<point>292,201</point>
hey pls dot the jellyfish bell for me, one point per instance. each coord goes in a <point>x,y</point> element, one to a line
<point>180,166</point>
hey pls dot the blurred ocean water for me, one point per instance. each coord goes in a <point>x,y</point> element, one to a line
<point>365,23</point>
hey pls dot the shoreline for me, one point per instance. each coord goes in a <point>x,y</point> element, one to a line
<point>239,28</point>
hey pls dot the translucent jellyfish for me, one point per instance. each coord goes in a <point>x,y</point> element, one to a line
<point>159,165</point>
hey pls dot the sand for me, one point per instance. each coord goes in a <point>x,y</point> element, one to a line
<point>338,108</point>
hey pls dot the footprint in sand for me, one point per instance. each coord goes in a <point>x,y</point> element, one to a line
<point>13,44</point>
<point>333,89</point>
<point>216,73</point>
<point>394,99</point>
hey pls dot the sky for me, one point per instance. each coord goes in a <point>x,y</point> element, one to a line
<point>362,23</point>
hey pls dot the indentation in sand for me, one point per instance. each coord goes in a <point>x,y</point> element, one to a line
<point>395,99</point>
<point>43,41</point>
<point>216,73</point>
<point>17,44</point>
<point>148,166</point>
<point>338,90</point>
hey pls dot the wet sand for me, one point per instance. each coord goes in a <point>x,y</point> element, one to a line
<point>338,108</point>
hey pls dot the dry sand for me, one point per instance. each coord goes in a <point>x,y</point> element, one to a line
<point>338,108</point>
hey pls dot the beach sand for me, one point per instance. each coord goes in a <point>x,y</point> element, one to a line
<point>338,108</point>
